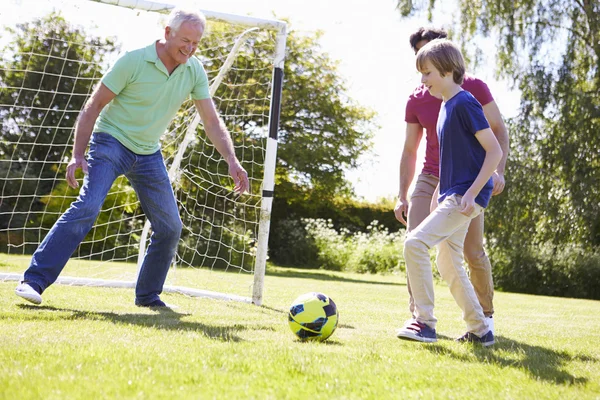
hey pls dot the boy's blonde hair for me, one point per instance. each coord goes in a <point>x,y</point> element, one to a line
<point>445,57</point>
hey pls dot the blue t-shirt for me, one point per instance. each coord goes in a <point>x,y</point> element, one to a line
<point>461,154</point>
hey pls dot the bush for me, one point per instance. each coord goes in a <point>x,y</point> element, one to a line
<point>290,244</point>
<point>291,208</point>
<point>547,270</point>
<point>373,251</point>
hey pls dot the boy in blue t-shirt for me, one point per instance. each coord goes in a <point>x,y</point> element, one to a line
<point>469,154</point>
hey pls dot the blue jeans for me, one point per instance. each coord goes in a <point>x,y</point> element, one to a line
<point>107,160</point>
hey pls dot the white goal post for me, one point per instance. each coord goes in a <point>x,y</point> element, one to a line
<point>45,78</point>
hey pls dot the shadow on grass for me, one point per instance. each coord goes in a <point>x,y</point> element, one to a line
<point>540,362</point>
<point>323,276</point>
<point>167,319</point>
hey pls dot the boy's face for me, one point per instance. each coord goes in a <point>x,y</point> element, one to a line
<point>433,80</point>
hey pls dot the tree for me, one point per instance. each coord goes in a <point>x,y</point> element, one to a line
<point>42,89</point>
<point>550,50</point>
<point>322,131</point>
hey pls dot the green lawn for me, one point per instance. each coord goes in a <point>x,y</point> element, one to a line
<point>92,343</point>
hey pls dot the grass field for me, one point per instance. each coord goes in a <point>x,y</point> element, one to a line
<point>93,343</point>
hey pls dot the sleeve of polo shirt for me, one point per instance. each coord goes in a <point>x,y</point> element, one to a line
<point>410,116</point>
<point>119,75</point>
<point>480,90</point>
<point>200,90</point>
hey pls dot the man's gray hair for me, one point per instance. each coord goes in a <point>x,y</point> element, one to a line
<point>178,16</point>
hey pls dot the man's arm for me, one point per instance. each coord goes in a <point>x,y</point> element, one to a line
<point>83,130</point>
<point>220,137</point>
<point>492,113</point>
<point>408,161</point>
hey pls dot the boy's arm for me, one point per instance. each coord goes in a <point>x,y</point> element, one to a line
<point>408,161</point>
<point>493,155</point>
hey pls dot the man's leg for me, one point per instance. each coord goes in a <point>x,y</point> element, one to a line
<point>70,229</point>
<point>418,210</point>
<point>480,268</point>
<point>151,181</point>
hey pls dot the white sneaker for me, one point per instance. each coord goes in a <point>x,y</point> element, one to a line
<point>28,293</point>
<point>490,322</point>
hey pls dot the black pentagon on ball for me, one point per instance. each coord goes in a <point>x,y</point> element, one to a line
<point>321,296</point>
<point>330,309</point>
<point>316,325</point>
<point>298,308</point>
<point>304,334</point>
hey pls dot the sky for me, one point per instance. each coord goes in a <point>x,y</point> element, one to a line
<point>368,37</point>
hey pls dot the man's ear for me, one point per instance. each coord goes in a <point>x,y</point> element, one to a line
<point>167,32</point>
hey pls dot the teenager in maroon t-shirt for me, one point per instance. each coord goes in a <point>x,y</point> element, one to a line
<point>421,114</point>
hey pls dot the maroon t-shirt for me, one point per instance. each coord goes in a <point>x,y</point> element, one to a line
<point>422,108</point>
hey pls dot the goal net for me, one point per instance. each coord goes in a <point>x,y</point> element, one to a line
<point>49,65</point>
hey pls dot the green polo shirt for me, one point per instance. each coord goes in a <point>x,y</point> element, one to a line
<point>147,97</point>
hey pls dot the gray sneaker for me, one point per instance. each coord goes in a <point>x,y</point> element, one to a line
<point>28,293</point>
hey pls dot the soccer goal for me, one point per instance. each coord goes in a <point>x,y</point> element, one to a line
<point>49,65</point>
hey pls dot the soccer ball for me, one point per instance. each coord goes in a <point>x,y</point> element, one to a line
<point>313,316</point>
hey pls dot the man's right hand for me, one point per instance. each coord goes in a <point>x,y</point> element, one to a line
<point>74,164</point>
<point>401,210</point>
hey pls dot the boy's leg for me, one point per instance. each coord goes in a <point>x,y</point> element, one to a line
<point>70,229</point>
<point>449,261</point>
<point>151,181</point>
<point>418,210</point>
<point>480,268</point>
<point>439,225</point>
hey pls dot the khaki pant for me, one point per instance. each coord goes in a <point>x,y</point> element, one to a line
<point>480,269</point>
<point>445,228</point>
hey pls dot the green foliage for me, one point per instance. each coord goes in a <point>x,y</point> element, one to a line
<point>290,245</point>
<point>293,203</point>
<point>373,251</point>
<point>322,132</point>
<point>569,272</point>
<point>43,86</point>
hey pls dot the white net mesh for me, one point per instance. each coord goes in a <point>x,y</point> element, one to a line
<point>48,68</point>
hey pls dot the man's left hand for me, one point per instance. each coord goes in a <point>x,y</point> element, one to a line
<point>499,183</point>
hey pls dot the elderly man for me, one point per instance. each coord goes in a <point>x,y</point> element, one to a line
<point>125,118</point>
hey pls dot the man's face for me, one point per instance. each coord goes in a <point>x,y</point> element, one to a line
<point>420,44</point>
<point>182,44</point>
<point>433,80</point>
